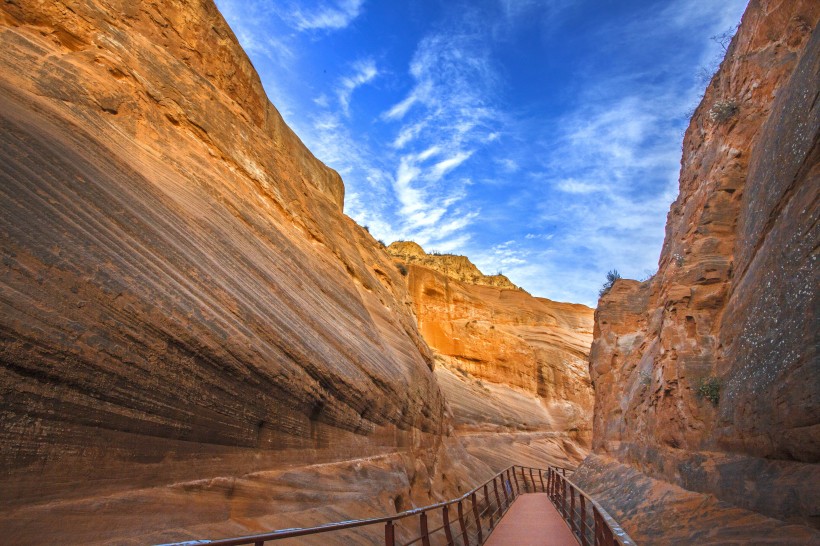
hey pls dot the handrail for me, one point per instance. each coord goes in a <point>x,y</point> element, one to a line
<point>604,529</point>
<point>480,518</point>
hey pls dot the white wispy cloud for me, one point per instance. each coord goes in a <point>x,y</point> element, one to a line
<point>446,114</point>
<point>326,16</point>
<point>364,71</point>
<point>446,165</point>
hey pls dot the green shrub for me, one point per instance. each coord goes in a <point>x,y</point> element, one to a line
<point>709,388</point>
<point>611,277</point>
<point>723,110</point>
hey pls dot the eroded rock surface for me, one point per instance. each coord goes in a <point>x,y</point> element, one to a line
<point>706,375</point>
<point>185,311</point>
<point>453,266</point>
<point>513,368</point>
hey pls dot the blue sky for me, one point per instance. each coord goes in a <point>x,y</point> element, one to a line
<point>539,138</point>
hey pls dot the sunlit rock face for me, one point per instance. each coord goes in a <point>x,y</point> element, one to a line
<point>706,375</point>
<point>188,321</point>
<point>512,367</point>
<point>453,266</point>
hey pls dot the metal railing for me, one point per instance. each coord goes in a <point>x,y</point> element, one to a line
<point>587,519</point>
<point>469,519</point>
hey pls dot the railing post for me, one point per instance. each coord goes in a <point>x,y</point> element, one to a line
<point>549,482</point>
<point>425,534</point>
<point>609,539</point>
<point>259,543</point>
<point>541,477</point>
<point>477,518</point>
<point>445,515</point>
<point>464,537</point>
<point>504,487</point>
<point>599,531</point>
<point>497,498</point>
<point>515,477</point>
<point>389,534</point>
<point>583,520</point>
<point>572,524</point>
<point>564,498</point>
<point>524,479</point>
<point>489,505</point>
<point>532,479</point>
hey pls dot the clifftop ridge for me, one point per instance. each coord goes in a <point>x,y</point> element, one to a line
<point>453,266</point>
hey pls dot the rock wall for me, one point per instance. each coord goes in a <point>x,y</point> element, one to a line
<point>194,340</point>
<point>513,368</point>
<point>706,375</point>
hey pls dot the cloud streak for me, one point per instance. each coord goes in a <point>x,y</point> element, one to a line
<point>364,72</point>
<point>333,16</point>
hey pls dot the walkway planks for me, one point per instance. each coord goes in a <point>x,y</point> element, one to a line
<point>532,520</point>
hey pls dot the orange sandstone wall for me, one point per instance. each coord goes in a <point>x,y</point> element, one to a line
<point>191,330</point>
<point>513,368</point>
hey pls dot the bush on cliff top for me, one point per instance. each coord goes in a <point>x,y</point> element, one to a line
<point>611,277</point>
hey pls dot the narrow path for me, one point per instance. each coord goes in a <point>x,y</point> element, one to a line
<point>532,520</point>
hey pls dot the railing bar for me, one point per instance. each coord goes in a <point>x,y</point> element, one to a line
<point>425,535</point>
<point>497,498</point>
<point>389,534</point>
<point>477,519</point>
<point>517,488</point>
<point>437,529</point>
<point>464,537</point>
<point>445,514</point>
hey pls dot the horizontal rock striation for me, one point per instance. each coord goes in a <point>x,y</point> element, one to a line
<point>706,375</point>
<point>185,311</point>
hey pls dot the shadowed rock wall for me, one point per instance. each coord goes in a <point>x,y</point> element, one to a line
<point>706,375</point>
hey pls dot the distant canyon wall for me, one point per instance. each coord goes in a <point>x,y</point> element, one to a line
<point>707,375</point>
<point>513,368</point>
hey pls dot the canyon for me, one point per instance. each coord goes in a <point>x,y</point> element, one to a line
<point>196,341</point>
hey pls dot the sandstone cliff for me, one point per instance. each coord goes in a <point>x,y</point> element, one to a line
<point>706,375</point>
<point>195,341</point>
<point>513,368</point>
<point>453,266</point>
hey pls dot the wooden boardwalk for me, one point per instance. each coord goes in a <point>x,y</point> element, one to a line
<point>532,520</point>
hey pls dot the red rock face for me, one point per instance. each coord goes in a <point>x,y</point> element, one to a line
<point>513,368</point>
<point>706,375</point>
<point>187,319</point>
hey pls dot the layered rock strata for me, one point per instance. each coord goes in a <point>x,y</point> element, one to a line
<point>186,315</point>
<point>706,375</point>
<point>513,367</point>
